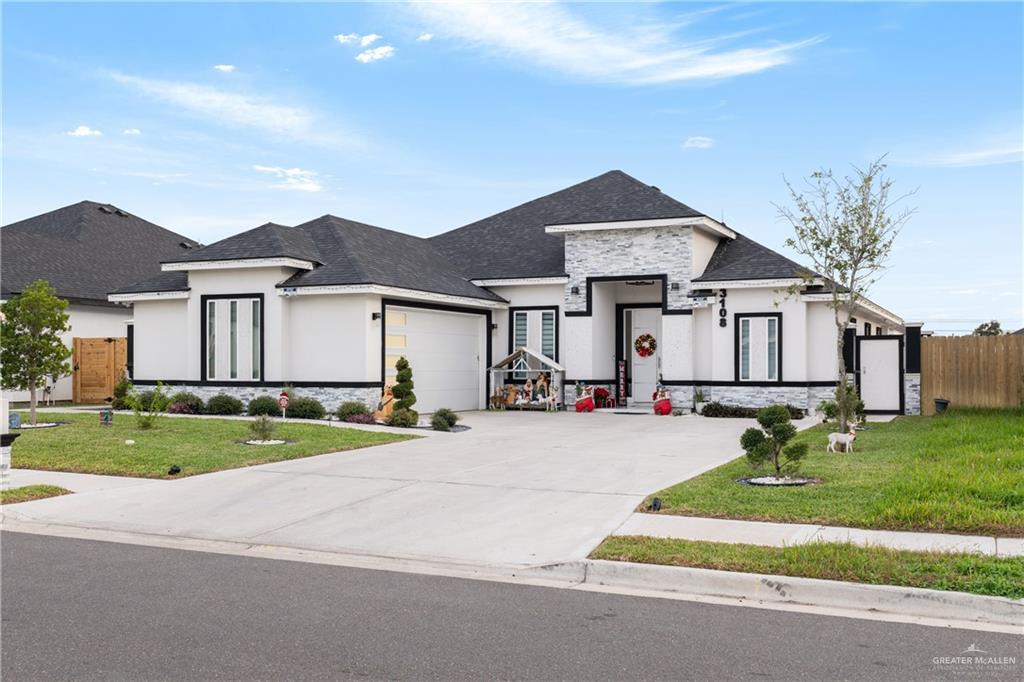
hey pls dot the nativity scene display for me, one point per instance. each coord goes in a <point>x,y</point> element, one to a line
<point>527,380</point>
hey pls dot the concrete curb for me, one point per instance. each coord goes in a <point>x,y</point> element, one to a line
<point>772,589</point>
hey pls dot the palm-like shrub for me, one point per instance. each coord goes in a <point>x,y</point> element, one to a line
<point>402,390</point>
<point>770,446</point>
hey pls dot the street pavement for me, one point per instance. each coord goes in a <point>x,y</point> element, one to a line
<point>85,610</point>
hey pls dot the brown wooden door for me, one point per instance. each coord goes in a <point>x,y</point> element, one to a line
<point>97,365</point>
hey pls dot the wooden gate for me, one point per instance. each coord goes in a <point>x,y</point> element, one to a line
<point>972,371</point>
<point>97,365</point>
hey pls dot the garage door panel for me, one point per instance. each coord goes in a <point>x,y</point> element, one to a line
<point>445,351</point>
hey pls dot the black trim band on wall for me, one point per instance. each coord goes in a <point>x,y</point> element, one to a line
<point>884,337</point>
<point>621,278</point>
<point>398,303</point>
<point>527,308</point>
<point>266,384</point>
<point>129,365</point>
<point>202,331</point>
<point>736,347</point>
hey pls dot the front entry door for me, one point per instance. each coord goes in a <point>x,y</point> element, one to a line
<point>644,368</point>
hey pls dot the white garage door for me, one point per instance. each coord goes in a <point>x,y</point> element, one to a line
<point>446,352</point>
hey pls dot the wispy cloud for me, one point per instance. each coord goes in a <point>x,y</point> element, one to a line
<point>230,108</point>
<point>989,156</point>
<point>131,131</point>
<point>346,38</point>
<point>224,68</point>
<point>84,131</point>
<point>292,178</point>
<point>990,145</point>
<point>554,36</point>
<point>698,142</point>
<point>369,39</point>
<point>375,54</point>
<point>424,37</point>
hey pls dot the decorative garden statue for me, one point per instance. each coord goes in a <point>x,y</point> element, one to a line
<point>386,406</point>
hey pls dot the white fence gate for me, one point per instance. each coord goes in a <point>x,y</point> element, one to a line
<point>879,370</point>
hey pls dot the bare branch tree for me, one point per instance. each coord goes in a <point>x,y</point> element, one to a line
<point>846,228</point>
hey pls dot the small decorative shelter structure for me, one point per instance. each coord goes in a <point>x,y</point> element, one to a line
<point>527,380</point>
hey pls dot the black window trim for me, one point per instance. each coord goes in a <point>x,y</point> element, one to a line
<point>736,349</point>
<point>203,299</point>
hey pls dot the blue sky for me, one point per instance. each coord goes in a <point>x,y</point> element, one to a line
<point>212,119</point>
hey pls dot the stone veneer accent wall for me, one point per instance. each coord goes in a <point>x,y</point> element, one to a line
<point>805,397</point>
<point>329,397</point>
<point>647,251</point>
<point>911,394</point>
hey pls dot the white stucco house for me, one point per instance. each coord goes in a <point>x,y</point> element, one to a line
<point>579,275</point>
<point>85,251</point>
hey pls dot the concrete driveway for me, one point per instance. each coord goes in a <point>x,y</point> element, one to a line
<point>519,488</point>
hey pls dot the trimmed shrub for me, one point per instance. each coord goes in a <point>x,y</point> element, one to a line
<point>224,404</point>
<point>769,445</point>
<point>179,408</point>
<point>444,419</point>
<point>264,404</point>
<point>402,390</point>
<point>142,401</point>
<point>190,402</point>
<point>717,409</point>
<point>121,390</point>
<point>306,408</point>
<point>830,408</point>
<point>351,408</point>
<point>405,419</point>
<point>360,419</point>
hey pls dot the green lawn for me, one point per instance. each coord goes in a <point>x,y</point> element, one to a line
<point>27,493</point>
<point>961,472</point>
<point>196,445</point>
<point>830,561</point>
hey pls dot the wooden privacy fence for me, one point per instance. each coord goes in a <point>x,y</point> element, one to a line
<point>972,371</point>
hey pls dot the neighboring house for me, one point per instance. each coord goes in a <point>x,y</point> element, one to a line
<point>579,275</point>
<point>85,251</point>
<point>1019,331</point>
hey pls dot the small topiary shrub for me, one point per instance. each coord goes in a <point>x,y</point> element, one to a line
<point>306,408</point>
<point>121,389</point>
<point>444,419</point>
<point>224,404</point>
<point>402,390</point>
<point>405,419</point>
<point>190,402</point>
<point>351,408</point>
<point>360,419</point>
<point>264,404</point>
<point>770,446</point>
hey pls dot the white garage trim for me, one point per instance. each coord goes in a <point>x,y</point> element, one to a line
<point>431,394</point>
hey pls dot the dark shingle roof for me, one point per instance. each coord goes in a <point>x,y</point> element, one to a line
<point>266,241</point>
<point>85,251</point>
<point>513,243</point>
<point>743,258</point>
<point>165,281</point>
<point>356,253</point>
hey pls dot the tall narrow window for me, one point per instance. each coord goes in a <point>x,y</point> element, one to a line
<point>547,333</point>
<point>256,339</point>
<point>773,349</point>
<point>211,339</point>
<point>867,329</point>
<point>520,333</point>
<point>520,336</point>
<point>744,349</point>
<point>233,339</point>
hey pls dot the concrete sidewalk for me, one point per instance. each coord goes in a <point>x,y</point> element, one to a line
<point>788,534</point>
<point>76,483</point>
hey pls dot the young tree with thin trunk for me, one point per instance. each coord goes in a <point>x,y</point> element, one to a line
<point>846,226</point>
<point>30,345</point>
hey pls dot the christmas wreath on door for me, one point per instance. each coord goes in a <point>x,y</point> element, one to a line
<point>645,345</point>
